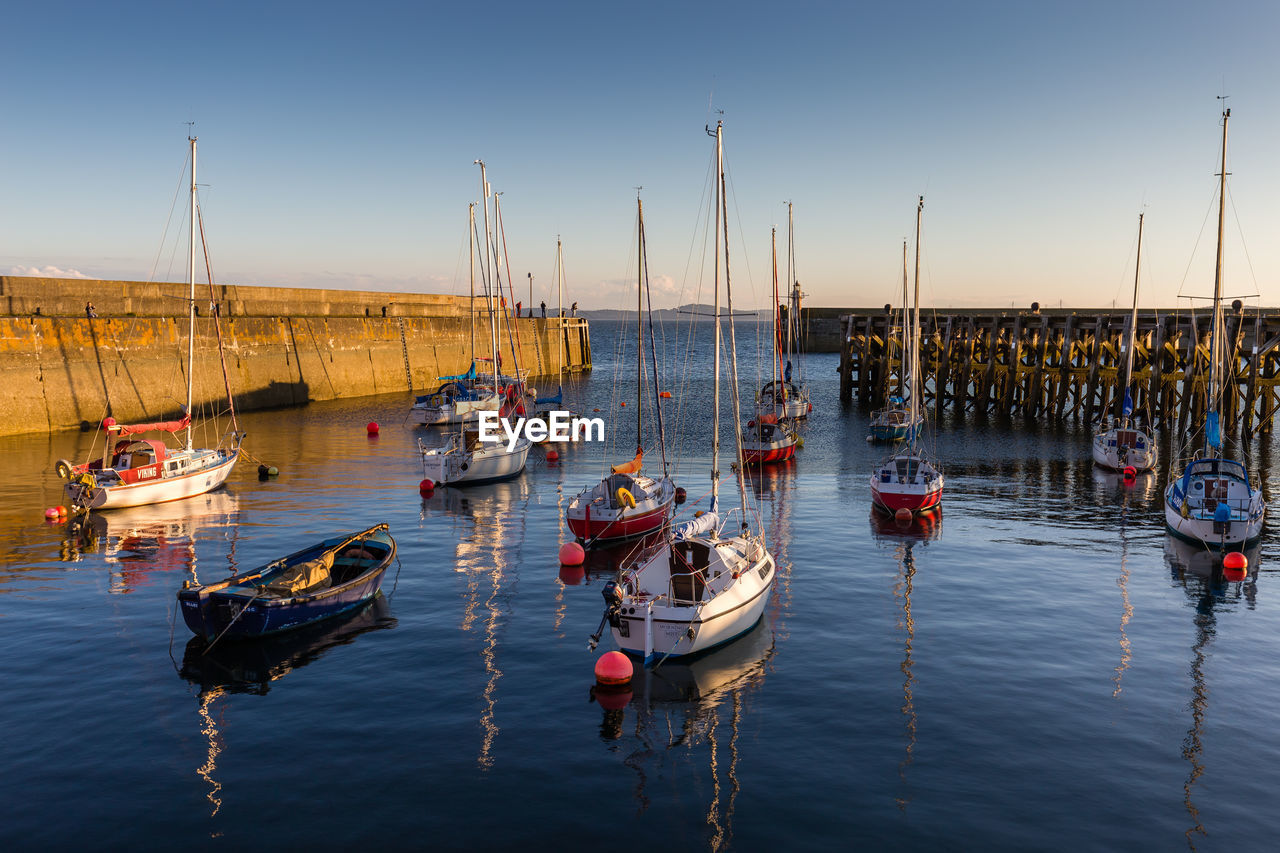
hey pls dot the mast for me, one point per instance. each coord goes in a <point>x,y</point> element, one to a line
<point>1133,319</point>
<point>560,322</point>
<point>715,313</point>
<point>653,347</point>
<point>915,329</point>
<point>733,344</point>
<point>793,298</point>
<point>904,367</point>
<point>1215,340</point>
<point>488,239</point>
<point>776,331</point>
<point>191,297</point>
<point>471,250</point>
<point>639,325</point>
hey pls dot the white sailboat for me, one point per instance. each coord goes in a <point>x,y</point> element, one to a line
<point>141,471</point>
<point>697,589</point>
<point>1122,444</point>
<point>769,436</point>
<point>464,459</point>
<point>1215,502</point>
<point>908,482</point>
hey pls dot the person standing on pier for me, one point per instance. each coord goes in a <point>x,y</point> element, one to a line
<point>544,309</point>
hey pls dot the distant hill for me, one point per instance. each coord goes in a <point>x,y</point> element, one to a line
<point>684,312</point>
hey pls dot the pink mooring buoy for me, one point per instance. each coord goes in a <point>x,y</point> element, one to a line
<point>426,486</point>
<point>51,513</point>
<point>613,669</point>
<point>572,554</point>
<point>372,428</point>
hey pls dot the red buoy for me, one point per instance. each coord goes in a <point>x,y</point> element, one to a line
<point>553,456</point>
<point>666,395</point>
<point>62,511</point>
<point>572,554</point>
<point>903,514</point>
<point>624,405</point>
<point>426,487</point>
<point>108,422</point>
<point>1235,560</point>
<point>372,428</point>
<point>613,669</point>
<point>1130,472</point>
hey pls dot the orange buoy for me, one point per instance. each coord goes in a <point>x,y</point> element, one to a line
<point>624,405</point>
<point>666,395</point>
<point>903,514</point>
<point>1130,472</point>
<point>426,487</point>
<point>1235,560</point>
<point>613,669</point>
<point>572,554</point>
<point>595,410</point>
<point>553,456</point>
<point>62,511</point>
<point>372,428</point>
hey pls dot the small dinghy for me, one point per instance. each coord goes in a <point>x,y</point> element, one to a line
<point>326,579</point>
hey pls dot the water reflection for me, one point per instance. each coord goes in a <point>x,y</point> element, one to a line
<point>252,666</point>
<point>138,542</point>
<point>693,707</point>
<point>904,536</point>
<point>1201,574</point>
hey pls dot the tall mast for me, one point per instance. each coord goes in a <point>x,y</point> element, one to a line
<point>715,313</point>
<point>915,327</point>
<point>560,322</point>
<point>191,296</point>
<point>777,355</point>
<point>793,286</point>
<point>639,324</point>
<point>653,347</point>
<point>492,302</point>
<point>1133,318</point>
<point>471,248</point>
<point>903,366</point>
<point>1215,343</point>
<point>733,343</point>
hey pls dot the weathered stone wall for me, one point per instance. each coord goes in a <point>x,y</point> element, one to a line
<point>59,368</point>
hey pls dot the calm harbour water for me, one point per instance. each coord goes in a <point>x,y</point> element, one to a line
<point>1040,669</point>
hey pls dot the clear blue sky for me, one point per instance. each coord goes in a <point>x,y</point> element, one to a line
<point>337,140</point>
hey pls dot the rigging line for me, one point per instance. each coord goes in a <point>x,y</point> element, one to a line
<point>1213,196</point>
<point>164,235</point>
<point>1243,245</point>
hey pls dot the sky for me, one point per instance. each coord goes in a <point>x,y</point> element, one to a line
<point>337,140</point>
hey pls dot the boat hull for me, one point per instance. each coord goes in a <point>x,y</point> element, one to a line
<point>1199,528</point>
<point>591,517</point>
<point>1111,449</point>
<point>187,485</point>
<point>223,611</point>
<point>456,412</point>
<point>764,455</point>
<point>916,501</point>
<point>491,463</point>
<point>893,432</point>
<point>906,481</point>
<point>660,630</point>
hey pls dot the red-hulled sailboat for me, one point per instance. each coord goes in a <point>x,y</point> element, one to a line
<point>907,481</point>
<point>626,503</point>
<point>768,437</point>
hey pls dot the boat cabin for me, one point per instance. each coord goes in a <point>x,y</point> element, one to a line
<point>1128,438</point>
<point>138,460</point>
<point>689,563</point>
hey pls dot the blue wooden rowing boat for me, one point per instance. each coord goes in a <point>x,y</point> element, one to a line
<point>318,582</point>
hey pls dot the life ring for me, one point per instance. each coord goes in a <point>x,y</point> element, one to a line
<point>625,498</point>
<point>64,468</point>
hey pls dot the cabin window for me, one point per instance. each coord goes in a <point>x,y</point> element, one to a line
<point>173,466</point>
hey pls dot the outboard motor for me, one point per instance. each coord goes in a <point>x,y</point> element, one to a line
<point>613,594</point>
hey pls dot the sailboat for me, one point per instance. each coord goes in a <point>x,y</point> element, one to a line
<point>697,589</point>
<point>1215,502</point>
<point>464,459</point>
<point>1122,445</point>
<point>463,397</point>
<point>140,471</point>
<point>544,406</point>
<point>628,503</point>
<point>907,481</point>
<point>896,422</point>
<point>788,391</point>
<point>769,438</point>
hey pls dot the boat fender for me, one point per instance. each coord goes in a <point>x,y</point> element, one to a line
<point>63,468</point>
<point>625,498</point>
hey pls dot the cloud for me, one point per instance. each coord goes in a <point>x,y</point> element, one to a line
<point>46,272</point>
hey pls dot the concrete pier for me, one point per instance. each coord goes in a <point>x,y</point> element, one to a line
<point>60,369</point>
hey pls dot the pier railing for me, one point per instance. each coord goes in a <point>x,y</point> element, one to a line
<point>1059,364</point>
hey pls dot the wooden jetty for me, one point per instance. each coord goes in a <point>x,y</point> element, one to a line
<point>1066,363</point>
